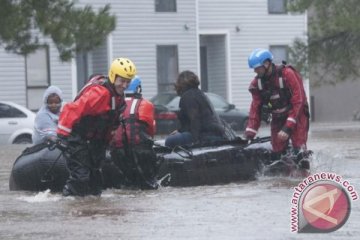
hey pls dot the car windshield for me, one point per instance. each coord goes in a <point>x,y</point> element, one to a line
<point>171,101</point>
<point>7,111</point>
<point>217,101</point>
<point>173,105</point>
<point>162,99</point>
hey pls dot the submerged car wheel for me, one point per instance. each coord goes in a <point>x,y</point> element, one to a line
<point>23,139</point>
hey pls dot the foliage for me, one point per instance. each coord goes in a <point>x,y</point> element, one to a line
<point>298,57</point>
<point>333,38</point>
<point>25,23</point>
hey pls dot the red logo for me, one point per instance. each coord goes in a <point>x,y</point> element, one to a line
<point>325,207</point>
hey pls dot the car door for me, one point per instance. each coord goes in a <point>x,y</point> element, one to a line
<point>11,119</point>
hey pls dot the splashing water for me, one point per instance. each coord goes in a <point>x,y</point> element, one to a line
<point>45,196</point>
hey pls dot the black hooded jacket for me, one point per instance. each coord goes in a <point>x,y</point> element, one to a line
<point>197,116</point>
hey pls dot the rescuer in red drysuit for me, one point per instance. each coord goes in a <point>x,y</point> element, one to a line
<point>131,146</point>
<point>86,125</point>
<point>279,91</point>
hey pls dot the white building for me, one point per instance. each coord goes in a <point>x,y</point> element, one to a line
<point>164,37</point>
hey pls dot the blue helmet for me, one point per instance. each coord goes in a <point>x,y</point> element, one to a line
<point>258,57</point>
<point>134,86</point>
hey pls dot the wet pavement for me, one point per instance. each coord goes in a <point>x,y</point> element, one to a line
<point>253,210</point>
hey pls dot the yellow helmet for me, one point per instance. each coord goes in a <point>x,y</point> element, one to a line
<point>123,67</point>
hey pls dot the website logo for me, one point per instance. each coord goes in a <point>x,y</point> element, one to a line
<point>321,203</point>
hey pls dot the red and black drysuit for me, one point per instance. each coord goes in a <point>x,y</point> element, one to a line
<point>283,94</point>
<point>131,145</point>
<point>86,124</point>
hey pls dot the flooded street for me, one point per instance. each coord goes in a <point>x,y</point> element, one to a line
<point>254,210</point>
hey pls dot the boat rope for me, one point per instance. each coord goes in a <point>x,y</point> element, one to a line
<point>187,151</point>
<point>46,176</point>
<point>132,156</point>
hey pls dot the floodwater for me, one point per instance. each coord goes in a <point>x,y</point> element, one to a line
<point>254,210</point>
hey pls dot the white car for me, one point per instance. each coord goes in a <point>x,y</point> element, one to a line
<point>16,123</point>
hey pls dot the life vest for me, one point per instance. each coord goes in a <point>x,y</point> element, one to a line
<point>100,126</point>
<point>137,128</point>
<point>275,97</point>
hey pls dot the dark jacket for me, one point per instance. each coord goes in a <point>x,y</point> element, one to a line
<point>197,116</point>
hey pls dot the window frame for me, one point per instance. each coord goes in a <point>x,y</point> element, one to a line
<point>162,84</point>
<point>37,87</point>
<point>158,5</point>
<point>284,46</point>
<point>272,11</point>
<point>47,59</point>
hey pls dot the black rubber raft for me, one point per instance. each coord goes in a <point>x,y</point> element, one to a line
<point>39,168</point>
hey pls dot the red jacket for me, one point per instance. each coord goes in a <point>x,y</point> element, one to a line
<point>296,99</point>
<point>96,110</point>
<point>139,121</point>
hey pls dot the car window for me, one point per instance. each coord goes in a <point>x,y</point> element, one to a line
<point>217,101</point>
<point>162,99</point>
<point>7,111</point>
<point>173,105</point>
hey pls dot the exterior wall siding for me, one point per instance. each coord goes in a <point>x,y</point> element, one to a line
<point>257,29</point>
<point>150,29</point>
<point>216,59</point>
<point>12,78</point>
<point>13,75</point>
<point>139,29</point>
<point>138,33</point>
<point>60,73</point>
<point>100,60</point>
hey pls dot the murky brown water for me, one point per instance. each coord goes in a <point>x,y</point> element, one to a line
<point>253,210</point>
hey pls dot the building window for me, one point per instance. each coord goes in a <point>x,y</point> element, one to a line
<point>37,76</point>
<point>277,6</point>
<point>82,69</point>
<point>165,5</point>
<point>280,53</point>
<point>167,67</point>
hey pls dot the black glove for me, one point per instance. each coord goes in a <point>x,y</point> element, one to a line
<point>62,142</point>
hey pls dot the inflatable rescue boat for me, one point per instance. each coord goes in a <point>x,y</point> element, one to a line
<point>43,166</point>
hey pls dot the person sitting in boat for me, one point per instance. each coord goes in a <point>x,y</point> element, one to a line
<point>86,125</point>
<point>199,123</point>
<point>131,145</point>
<point>279,90</point>
<point>47,117</point>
